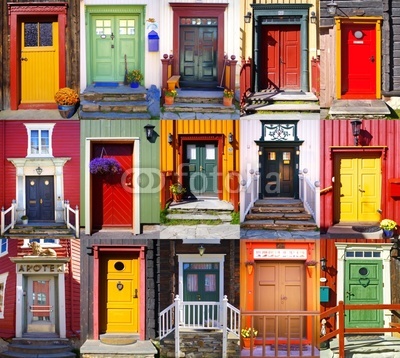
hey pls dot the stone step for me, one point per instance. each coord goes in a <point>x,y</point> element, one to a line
<point>113,106</point>
<point>285,107</point>
<point>200,216</point>
<point>284,225</point>
<point>118,339</point>
<point>9,354</point>
<point>124,95</point>
<point>278,203</point>
<point>277,209</point>
<point>199,107</point>
<point>198,98</point>
<point>112,115</point>
<point>31,231</point>
<point>39,349</point>
<point>279,216</point>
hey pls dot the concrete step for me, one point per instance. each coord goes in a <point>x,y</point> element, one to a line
<point>302,216</point>
<point>39,349</point>
<point>118,339</point>
<point>9,354</point>
<point>286,107</point>
<point>283,225</point>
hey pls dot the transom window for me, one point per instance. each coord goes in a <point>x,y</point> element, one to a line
<point>362,254</point>
<point>40,140</point>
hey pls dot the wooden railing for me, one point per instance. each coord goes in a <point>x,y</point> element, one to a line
<point>167,179</point>
<point>305,338</point>
<point>246,83</point>
<point>199,315</point>
<point>309,195</point>
<point>326,190</point>
<point>8,216</point>
<point>249,193</point>
<point>341,330</point>
<point>67,217</point>
<point>315,76</point>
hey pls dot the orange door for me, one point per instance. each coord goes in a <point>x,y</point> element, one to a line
<point>279,286</point>
<point>112,198</point>
<point>281,57</point>
<point>358,60</point>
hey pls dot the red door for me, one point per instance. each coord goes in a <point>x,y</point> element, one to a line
<point>281,57</point>
<point>112,203</point>
<point>358,61</point>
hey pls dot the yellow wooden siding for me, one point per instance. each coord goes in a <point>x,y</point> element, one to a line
<point>170,157</point>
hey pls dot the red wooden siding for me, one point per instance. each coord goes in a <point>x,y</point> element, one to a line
<point>2,163</point>
<point>373,133</point>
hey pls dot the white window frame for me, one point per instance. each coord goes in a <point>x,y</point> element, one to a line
<point>3,253</point>
<point>56,243</point>
<point>3,280</point>
<point>40,127</point>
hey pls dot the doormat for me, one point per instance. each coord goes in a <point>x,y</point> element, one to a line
<point>369,228</point>
<point>106,84</point>
<point>354,338</point>
<point>293,347</point>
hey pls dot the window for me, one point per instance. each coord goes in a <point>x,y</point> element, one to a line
<point>3,247</point>
<point>3,280</point>
<point>40,140</point>
<point>43,242</point>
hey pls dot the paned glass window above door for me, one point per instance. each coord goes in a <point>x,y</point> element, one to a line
<point>40,140</point>
<point>38,34</point>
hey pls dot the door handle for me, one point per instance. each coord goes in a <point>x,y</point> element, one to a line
<point>41,201</point>
<point>281,61</point>
<point>349,294</point>
<point>283,297</point>
<point>24,59</point>
<point>112,36</point>
<point>372,59</point>
<point>198,297</point>
<point>201,168</point>
<point>361,190</point>
<point>135,295</point>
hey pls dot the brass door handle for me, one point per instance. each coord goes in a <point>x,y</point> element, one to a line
<point>201,168</point>
<point>135,295</point>
<point>283,297</point>
<point>41,201</point>
<point>361,190</point>
<point>198,297</point>
<point>24,59</point>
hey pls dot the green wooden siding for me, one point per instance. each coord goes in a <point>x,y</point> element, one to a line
<point>149,158</point>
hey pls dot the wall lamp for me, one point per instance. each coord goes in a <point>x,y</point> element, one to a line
<point>149,129</point>
<point>39,170</point>
<point>356,128</point>
<point>170,138</point>
<point>202,250</point>
<point>331,8</point>
<point>247,18</point>
<point>230,137</point>
<point>313,17</point>
<point>323,264</point>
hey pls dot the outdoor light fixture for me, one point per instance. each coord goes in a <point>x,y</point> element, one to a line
<point>356,128</point>
<point>201,250</point>
<point>149,129</point>
<point>230,137</point>
<point>247,18</point>
<point>313,17</point>
<point>260,152</point>
<point>331,8</point>
<point>323,264</point>
<point>170,138</point>
<point>39,170</point>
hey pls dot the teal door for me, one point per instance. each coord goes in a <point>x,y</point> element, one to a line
<point>112,37</point>
<point>200,283</point>
<point>200,169</point>
<point>363,285</point>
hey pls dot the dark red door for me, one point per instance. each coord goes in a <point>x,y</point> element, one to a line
<point>280,57</point>
<point>112,198</point>
<point>358,61</point>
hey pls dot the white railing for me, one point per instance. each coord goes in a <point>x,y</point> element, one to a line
<point>12,211</point>
<point>67,211</point>
<point>309,195</point>
<point>200,315</point>
<point>249,193</point>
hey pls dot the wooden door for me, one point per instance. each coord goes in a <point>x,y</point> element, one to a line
<point>198,55</point>
<point>363,285</point>
<point>359,188</point>
<point>40,198</point>
<point>358,61</point>
<point>279,286</point>
<point>119,294</point>
<point>279,175</point>
<point>113,37</point>
<point>280,60</point>
<point>200,169</point>
<point>39,61</point>
<point>112,199</point>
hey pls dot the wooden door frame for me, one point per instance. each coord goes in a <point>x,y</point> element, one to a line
<point>184,139</point>
<point>17,12</point>
<point>377,21</point>
<point>267,14</point>
<point>198,10</point>
<point>98,253</point>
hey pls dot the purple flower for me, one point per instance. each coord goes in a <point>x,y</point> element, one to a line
<point>105,166</point>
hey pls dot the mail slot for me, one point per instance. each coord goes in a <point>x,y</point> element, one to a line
<point>394,187</point>
<point>324,294</point>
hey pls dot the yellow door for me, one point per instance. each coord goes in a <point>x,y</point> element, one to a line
<point>39,62</point>
<point>120,295</point>
<point>360,188</point>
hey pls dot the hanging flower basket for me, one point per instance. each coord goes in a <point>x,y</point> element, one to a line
<point>105,166</point>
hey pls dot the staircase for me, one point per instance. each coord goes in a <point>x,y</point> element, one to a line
<point>121,102</point>
<point>39,347</point>
<point>192,104</point>
<point>283,214</point>
<point>40,231</point>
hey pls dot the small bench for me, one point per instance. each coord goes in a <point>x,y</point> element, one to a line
<point>173,81</point>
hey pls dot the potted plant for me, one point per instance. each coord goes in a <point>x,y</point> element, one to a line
<point>105,166</point>
<point>177,191</point>
<point>24,219</point>
<point>67,100</point>
<point>228,97</point>
<point>134,77</point>
<point>170,95</point>
<point>388,226</point>
<point>247,334</point>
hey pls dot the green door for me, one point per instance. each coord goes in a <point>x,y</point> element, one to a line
<point>113,37</point>
<point>363,285</point>
<point>200,283</point>
<point>200,169</point>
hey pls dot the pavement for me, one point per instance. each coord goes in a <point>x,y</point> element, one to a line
<point>39,114</point>
<point>222,231</point>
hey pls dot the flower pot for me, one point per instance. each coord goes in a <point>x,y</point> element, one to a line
<point>67,111</point>
<point>246,342</point>
<point>387,233</point>
<point>227,101</point>
<point>25,222</point>
<point>169,100</point>
<point>134,84</point>
<point>177,197</point>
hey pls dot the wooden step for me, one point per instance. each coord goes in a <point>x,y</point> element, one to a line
<point>289,225</point>
<point>303,216</point>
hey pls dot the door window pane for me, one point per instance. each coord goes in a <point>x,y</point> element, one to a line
<point>271,156</point>
<point>191,151</point>
<point>45,34</point>
<point>127,27</point>
<point>211,282</point>
<point>210,151</point>
<point>38,34</point>
<point>192,283</point>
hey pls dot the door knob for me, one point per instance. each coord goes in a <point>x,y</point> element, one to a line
<point>41,201</point>
<point>24,59</point>
<point>198,297</point>
<point>372,59</point>
<point>201,168</point>
<point>283,297</point>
